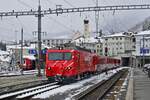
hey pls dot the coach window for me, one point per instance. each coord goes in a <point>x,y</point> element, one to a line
<point>55,56</point>
<point>67,56</point>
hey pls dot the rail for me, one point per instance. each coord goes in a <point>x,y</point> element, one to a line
<point>38,89</point>
<point>97,91</point>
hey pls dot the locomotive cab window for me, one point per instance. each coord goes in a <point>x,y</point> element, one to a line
<point>59,56</point>
<point>67,56</point>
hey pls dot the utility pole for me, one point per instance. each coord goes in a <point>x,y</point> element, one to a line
<point>97,19</point>
<point>143,51</point>
<point>39,40</point>
<point>21,56</point>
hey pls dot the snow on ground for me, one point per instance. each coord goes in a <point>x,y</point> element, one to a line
<point>18,72</point>
<point>75,88</point>
<point>4,56</point>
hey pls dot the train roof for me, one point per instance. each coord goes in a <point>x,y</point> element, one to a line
<point>31,57</point>
<point>70,46</point>
<point>101,56</point>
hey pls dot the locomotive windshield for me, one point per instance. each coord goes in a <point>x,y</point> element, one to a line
<point>59,56</point>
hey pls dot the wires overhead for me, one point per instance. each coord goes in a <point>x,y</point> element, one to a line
<point>25,4</point>
<point>56,21</point>
<point>59,23</point>
<point>69,3</point>
<point>50,2</point>
<point>21,24</point>
<point>94,2</point>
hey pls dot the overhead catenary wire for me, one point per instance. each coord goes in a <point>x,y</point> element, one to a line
<point>59,23</point>
<point>80,13</point>
<point>118,22</point>
<point>108,26</point>
<point>50,2</point>
<point>68,3</point>
<point>23,26</point>
<point>20,22</point>
<point>25,4</point>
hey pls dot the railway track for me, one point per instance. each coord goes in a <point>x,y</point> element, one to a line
<point>98,91</point>
<point>119,89</point>
<point>17,87</point>
<point>26,94</point>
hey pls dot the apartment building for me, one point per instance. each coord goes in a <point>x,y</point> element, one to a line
<point>119,45</point>
<point>55,42</point>
<point>143,47</point>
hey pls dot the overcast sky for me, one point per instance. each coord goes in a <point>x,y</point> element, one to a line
<point>64,25</point>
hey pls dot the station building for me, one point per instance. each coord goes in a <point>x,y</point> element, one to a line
<point>120,45</point>
<point>143,47</point>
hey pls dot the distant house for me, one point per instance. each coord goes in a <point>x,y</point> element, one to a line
<point>2,46</point>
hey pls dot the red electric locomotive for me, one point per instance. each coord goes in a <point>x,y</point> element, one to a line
<point>64,64</point>
<point>74,63</point>
<point>29,62</point>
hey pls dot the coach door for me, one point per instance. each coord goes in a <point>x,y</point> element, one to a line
<point>78,62</point>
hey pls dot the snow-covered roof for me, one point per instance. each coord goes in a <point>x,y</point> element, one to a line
<point>32,46</point>
<point>29,57</point>
<point>88,40</point>
<point>4,59</point>
<point>4,56</point>
<point>143,33</point>
<point>116,35</point>
<point>3,52</point>
<point>147,37</point>
<point>19,46</point>
<point>91,40</point>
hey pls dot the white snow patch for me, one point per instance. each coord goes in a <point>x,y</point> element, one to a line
<point>78,85</point>
<point>17,72</point>
<point>31,57</point>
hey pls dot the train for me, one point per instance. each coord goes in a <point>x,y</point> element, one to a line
<point>75,63</point>
<point>29,62</point>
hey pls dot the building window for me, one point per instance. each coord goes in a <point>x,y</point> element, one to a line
<point>133,39</point>
<point>120,38</point>
<point>147,51</point>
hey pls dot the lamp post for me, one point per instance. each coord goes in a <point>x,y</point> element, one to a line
<point>142,51</point>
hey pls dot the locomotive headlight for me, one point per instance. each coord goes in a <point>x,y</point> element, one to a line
<point>49,68</point>
<point>68,68</point>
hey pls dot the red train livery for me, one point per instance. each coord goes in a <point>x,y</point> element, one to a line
<point>29,62</point>
<point>74,63</point>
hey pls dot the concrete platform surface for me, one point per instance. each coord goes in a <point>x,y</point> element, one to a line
<point>141,85</point>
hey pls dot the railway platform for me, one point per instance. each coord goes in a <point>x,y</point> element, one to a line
<point>139,85</point>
